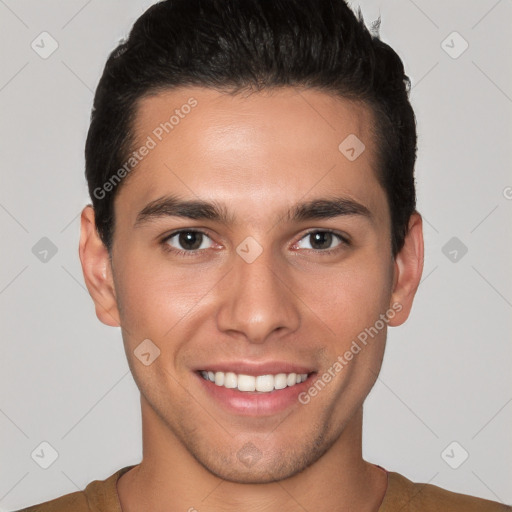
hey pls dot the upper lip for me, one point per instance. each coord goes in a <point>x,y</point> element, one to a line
<point>255,369</point>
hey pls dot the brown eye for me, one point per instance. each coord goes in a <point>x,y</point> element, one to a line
<point>188,240</point>
<point>322,241</point>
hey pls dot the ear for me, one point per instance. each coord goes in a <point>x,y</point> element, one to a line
<point>97,269</point>
<point>407,270</point>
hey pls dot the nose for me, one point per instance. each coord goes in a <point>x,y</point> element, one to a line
<point>258,300</point>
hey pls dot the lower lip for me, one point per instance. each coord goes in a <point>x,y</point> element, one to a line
<point>254,403</point>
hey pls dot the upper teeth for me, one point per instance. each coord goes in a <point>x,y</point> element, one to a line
<point>263,383</point>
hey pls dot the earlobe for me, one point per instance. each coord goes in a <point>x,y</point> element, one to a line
<point>408,270</point>
<point>97,270</point>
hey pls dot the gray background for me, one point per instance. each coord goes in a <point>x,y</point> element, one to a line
<point>447,372</point>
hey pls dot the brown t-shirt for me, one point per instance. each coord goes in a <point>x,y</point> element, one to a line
<point>402,495</point>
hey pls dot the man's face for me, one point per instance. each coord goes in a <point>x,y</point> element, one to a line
<point>220,303</point>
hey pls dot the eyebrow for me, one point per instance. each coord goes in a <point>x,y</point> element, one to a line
<point>317,209</point>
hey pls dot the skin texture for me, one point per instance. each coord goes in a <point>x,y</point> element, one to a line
<point>258,154</point>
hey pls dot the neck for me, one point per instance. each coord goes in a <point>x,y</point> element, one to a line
<point>170,478</point>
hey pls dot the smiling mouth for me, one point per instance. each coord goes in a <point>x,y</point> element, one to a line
<point>259,383</point>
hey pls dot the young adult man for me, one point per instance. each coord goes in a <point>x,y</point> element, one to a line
<point>251,170</point>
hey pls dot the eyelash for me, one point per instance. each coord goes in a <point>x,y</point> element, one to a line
<point>168,248</point>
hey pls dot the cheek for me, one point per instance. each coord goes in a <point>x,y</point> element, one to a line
<point>153,295</point>
<point>351,297</point>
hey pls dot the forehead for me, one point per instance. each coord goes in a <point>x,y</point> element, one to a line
<point>247,150</point>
